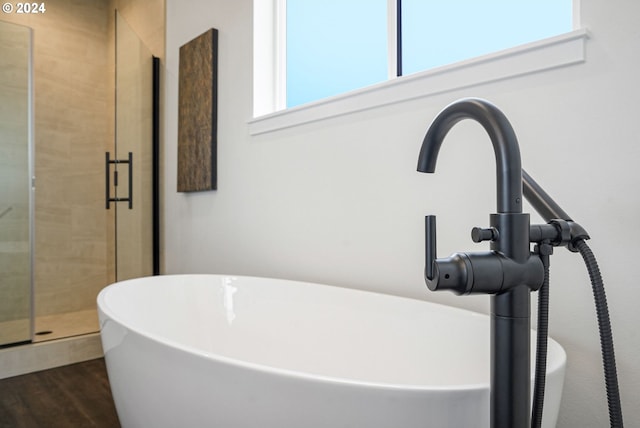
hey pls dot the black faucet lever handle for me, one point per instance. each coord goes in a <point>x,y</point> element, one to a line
<point>430,246</point>
<point>453,273</point>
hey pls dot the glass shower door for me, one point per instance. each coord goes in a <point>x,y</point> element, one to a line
<point>16,194</point>
<point>134,127</point>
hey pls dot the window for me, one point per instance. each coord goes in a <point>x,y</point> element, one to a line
<point>334,46</point>
<point>271,112</point>
<point>436,33</point>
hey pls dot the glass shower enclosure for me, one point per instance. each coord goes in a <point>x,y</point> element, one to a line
<point>16,191</point>
<point>49,279</point>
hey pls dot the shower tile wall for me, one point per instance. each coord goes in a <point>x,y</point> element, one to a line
<point>73,117</point>
<point>146,17</point>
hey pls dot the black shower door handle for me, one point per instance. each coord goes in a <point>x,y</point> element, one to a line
<point>107,174</point>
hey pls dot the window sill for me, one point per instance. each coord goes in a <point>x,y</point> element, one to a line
<point>559,51</point>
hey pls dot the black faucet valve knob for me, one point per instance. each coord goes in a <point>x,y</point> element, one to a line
<point>479,234</point>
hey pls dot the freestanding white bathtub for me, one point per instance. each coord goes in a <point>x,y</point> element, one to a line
<point>239,352</point>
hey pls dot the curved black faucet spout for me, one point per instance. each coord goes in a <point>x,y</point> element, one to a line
<point>503,138</point>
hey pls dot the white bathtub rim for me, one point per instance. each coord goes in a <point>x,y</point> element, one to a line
<point>296,374</point>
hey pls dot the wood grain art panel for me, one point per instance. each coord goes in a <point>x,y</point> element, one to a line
<point>197,114</point>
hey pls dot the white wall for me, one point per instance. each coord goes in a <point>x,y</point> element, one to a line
<point>339,201</point>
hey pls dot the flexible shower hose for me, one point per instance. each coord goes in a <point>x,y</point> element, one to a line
<point>606,340</point>
<point>606,337</point>
<point>541,347</point>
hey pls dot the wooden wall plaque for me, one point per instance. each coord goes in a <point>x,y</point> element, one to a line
<point>197,113</point>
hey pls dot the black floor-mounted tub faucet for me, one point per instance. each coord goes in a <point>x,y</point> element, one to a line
<point>508,272</point>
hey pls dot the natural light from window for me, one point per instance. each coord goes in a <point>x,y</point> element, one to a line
<point>335,46</point>
<point>436,33</point>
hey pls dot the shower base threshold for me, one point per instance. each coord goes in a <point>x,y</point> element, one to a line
<point>70,324</point>
<point>33,357</point>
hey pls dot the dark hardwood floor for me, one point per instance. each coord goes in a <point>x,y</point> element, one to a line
<point>73,396</point>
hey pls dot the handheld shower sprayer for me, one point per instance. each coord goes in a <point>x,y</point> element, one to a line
<point>510,270</point>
